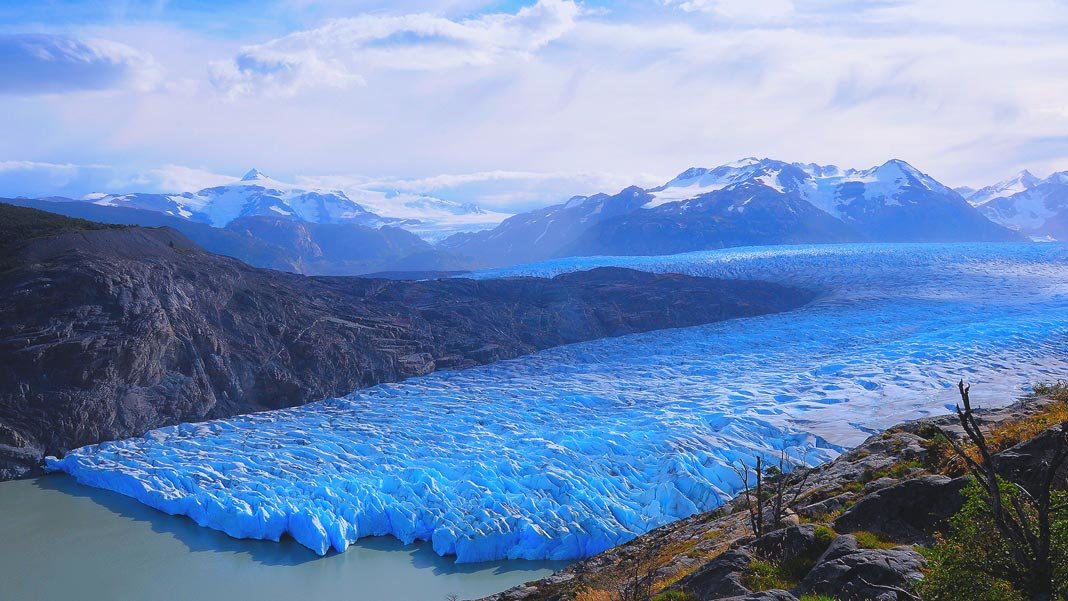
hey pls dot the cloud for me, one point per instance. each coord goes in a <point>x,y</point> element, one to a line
<point>643,88</point>
<point>37,178</point>
<point>179,178</point>
<point>501,190</point>
<point>72,180</point>
<point>738,10</point>
<point>48,64</point>
<point>340,53</point>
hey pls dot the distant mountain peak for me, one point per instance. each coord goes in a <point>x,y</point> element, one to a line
<point>899,166</point>
<point>745,162</point>
<point>1021,182</point>
<point>253,175</point>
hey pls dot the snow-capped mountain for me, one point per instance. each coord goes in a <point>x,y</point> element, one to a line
<point>1037,208</point>
<point>751,201</point>
<point>255,194</point>
<point>850,195</point>
<point>1020,182</point>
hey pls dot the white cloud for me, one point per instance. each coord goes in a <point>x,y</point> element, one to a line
<point>48,64</point>
<point>179,178</point>
<point>340,53</point>
<point>738,10</point>
<point>962,90</point>
<point>41,178</point>
<point>500,190</point>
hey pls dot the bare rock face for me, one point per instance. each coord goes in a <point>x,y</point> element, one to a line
<point>870,574</point>
<point>772,595</point>
<point>721,578</point>
<point>1025,462</point>
<point>907,512</point>
<point>107,332</point>
<point>789,544</point>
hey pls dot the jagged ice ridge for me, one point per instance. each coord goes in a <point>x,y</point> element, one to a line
<point>569,451</point>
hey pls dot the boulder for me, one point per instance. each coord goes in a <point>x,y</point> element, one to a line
<point>866,575</point>
<point>772,595</point>
<point>720,578</point>
<point>842,545</point>
<point>789,543</point>
<point>909,512</point>
<point>827,506</point>
<point>1023,463</point>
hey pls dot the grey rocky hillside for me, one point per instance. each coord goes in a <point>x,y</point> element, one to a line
<point>107,332</point>
<point>856,532</point>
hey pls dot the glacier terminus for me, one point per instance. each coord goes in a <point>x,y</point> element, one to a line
<point>567,452</point>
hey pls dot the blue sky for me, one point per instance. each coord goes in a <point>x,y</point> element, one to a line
<point>516,104</point>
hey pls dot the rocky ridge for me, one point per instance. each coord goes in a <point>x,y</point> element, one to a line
<point>107,332</point>
<point>852,536</point>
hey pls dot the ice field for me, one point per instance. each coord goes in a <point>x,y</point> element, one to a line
<point>569,451</point>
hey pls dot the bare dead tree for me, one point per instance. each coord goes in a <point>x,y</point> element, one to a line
<point>774,491</point>
<point>1023,518</point>
<point>638,578</point>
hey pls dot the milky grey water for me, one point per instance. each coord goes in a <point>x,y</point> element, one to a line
<point>62,540</point>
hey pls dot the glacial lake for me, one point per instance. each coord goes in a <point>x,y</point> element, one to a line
<point>60,540</point>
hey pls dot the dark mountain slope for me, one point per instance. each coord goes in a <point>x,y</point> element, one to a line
<point>217,240</point>
<point>544,233</point>
<point>108,332</point>
<point>749,202</point>
<point>278,242</point>
<point>747,215</point>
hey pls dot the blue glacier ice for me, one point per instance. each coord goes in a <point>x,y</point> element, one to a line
<point>569,451</point>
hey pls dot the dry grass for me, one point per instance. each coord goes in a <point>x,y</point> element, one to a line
<point>595,595</point>
<point>1006,434</point>
<point>1057,391</point>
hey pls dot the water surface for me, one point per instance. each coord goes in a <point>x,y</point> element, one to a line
<point>61,540</point>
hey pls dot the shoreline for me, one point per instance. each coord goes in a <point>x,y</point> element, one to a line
<point>692,548</point>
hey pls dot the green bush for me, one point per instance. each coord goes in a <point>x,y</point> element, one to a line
<point>674,596</point>
<point>825,536</point>
<point>975,562</point>
<point>762,575</point>
<point>871,540</point>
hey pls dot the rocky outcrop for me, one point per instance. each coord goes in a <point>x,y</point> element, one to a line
<point>880,491</point>
<point>107,332</point>
<point>872,574</point>
<point>909,511</point>
<point>720,578</point>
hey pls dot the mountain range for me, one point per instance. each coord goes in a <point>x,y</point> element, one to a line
<point>1035,207</point>
<point>753,201</point>
<point>258,195</point>
<point>748,202</point>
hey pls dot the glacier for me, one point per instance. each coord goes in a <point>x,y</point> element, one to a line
<point>566,452</point>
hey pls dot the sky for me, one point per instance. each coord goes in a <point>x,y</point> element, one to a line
<point>516,104</point>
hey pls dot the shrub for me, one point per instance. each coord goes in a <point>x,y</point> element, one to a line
<point>762,575</point>
<point>976,562</point>
<point>1055,390</point>
<point>674,596</point>
<point>871,540</point>
<point>825,536</point>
